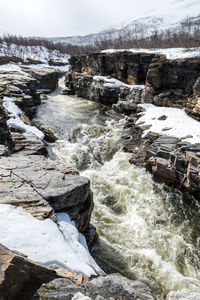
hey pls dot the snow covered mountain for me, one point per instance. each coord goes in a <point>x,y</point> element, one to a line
<point>179,15</point>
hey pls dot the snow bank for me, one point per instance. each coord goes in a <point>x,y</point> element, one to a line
<point>171,53</point>
<point>12,109</point>
<point>177,123</point>
<point>25,129</point>
<point>19,67</point>
<point>115,83</point>
<point>42,66</point>
<point>15,122</point>
<point>44,242</point>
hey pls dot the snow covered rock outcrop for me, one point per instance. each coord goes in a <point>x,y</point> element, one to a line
<point>166,82</point>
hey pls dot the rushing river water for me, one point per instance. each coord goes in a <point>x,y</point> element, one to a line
<point>146,232</point>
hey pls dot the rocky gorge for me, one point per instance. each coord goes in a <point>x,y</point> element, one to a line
<point>145,78</point>
<point>45,187</point>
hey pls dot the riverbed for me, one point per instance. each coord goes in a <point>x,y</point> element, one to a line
<point>146,231</point>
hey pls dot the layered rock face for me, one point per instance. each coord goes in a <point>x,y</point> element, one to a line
<point>110,287</point>
<point>43,187</point>
<point>5,136</point>
<point>125,66</point>
<point>174,83</point>
<point>24,86</point>
<point>175,163</point>
<point>84,86</point>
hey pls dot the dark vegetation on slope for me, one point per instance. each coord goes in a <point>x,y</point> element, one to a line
<point>168,39</point>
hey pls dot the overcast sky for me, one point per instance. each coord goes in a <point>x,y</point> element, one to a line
<point>69,17</point>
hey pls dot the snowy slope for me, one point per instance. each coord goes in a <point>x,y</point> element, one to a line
<point>177,15</point>
<point>32,52</point>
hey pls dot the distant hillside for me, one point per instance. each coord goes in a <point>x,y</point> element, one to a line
<point>178,16</point>
<point>33,53</point>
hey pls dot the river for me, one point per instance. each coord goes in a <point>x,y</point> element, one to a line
<point>146,231</point>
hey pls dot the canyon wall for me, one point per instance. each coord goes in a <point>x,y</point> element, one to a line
<point>174,83</point>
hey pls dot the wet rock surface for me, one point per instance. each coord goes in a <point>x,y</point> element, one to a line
<point>113,287</point>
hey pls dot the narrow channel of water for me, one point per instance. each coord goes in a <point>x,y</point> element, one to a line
<point>146,232</point>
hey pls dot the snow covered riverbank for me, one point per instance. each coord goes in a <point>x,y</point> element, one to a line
<point>45,242</point>
<point>170,121</point>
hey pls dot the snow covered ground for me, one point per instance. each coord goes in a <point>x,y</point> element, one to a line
<point>42,66</point>
<point>33,52</point>
<point>14,121</point>
<point>19,67</point>
<point>171,53</point>
<point>177,122</point>
<point>115,83</point>
<point>45,242</point>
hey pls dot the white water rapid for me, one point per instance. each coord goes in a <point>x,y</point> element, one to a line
<point>146,231</point>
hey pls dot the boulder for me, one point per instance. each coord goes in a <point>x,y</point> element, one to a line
<point>20,278</point>
<point>113,287</point>
<point>47,78</point>
<point>125,107</point>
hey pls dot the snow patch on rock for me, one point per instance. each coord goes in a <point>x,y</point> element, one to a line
<point>178,123</point>
<point>45,242</point>
<point>14,113</point>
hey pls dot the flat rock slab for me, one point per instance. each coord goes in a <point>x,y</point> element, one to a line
<point>40,185</point>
